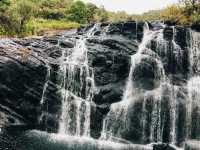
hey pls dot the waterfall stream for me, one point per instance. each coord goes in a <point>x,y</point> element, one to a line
<point>119,111</point>
<point>158,104</point>
<point>78,86</point>
<point>153,107</point>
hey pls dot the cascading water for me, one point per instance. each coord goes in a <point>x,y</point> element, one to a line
<point>76,81</point>
<point>194,45</point>
<point>152,107</point>
<point>132,92</point>
<point>78,86</point>
<point>193,85</point>
<point>43,99</point>
<point>78,90</point>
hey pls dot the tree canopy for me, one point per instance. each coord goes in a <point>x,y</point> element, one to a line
<point>16,15</point>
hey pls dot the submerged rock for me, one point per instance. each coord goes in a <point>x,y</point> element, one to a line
<point>36,140</point>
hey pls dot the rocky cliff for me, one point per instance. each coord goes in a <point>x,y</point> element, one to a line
<point>145,90</point>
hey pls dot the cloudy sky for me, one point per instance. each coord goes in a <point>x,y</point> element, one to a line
<point>132,6</point>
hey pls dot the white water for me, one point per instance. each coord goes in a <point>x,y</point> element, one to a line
<point>193,84</point>
<point>43,98</point>
<point>194,47</point>
<point>119,111</point>
<point>164,99</point>
<point>78,89</point>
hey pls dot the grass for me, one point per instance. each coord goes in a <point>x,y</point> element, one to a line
<point>40,26</point>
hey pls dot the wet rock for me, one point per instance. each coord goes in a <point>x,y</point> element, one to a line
<point>22,81</point>
<point>192,145</point>
<point>129,28</point>
<point>66,44</point>
<point>97,114</point>
<point>180,36</point>
<point>170,23</point>
<point>52,40</point>
<point>163,147</point>
<point>53,52</point>
<point>156,25</point>
<point>196,27</point>
<point>115,28</point>
<point>140,29</point>
<point>21,86</point>
<point>168,33</point>
<point>147,70</point>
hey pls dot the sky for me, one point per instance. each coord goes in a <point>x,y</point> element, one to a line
<point>132,6</point>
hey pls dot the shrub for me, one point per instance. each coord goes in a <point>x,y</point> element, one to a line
<point>196,18</point>
<point>15,18</point>
<point>175,14</point>
<point>77,12</point>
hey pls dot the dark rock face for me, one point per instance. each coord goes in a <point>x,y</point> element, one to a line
<point>174,52</point>
<point>147,70</point>
<point>21,86</point>
<point>110,59</point>
<point>111,62</point>
<point>196,27</point>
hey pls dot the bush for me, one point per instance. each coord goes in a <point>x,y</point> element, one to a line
<point>4,4</point>
<point>38,26</point>
<point>56,14</point>
<point>175,14</point>
<point>196,18</point>
<point>14,19</point>
<point>78,12</point>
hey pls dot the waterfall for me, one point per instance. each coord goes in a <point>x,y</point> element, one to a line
<point>155,106</point>
<point>193,107</point>
<point>78,86</point>
<point>150,107</point>
<point>194,45</point>
<point>119,111</point>
<point>78,89</point>
<point>193,85</point>
<point>43,98</point>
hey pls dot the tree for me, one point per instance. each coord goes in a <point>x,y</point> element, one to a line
<point>4,4</point>
<point>78,12</point>
<point>118,16</point>
<point>91,11</point>
<point>192,3</point>
<point>191,6</point>
<point>191,9</point>
<point>101,15</point>
<point>16,15</point>
<point>22,12</point>
<point>174,14</point>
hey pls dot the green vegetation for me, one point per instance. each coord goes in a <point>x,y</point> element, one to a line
<point>187,12</point>
<point>29,17</point>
